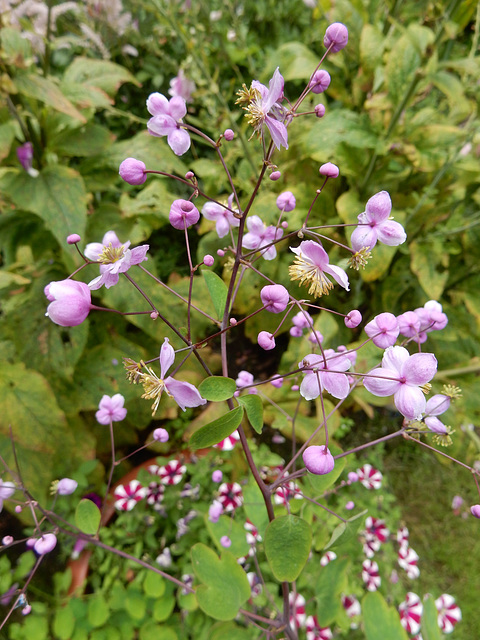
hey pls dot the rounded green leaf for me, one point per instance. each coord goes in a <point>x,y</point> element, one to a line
<point>381,621</point>
<point>218,430</point>
<point>217,388</point>
<point>234,530</point>
<point>345,531</point>
<point>87,516</point>
<point>430,628</point>
<point>287,546</point>
<point>254,407</point>
<point>154,585</point>
<point>63,623</point>
<point>98,611</point>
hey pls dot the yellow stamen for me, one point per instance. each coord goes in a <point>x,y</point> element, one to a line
<point>307,272</point>
<point>111,254</point>
<point>360,258</point>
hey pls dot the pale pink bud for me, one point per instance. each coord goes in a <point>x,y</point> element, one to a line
<point>336,35</point>
<point>220,252</point>
<point>266,340</point>
<point>275,298</point>
<point>383,330</point>
<point>183,213</point>
<point>229,135</point>
<point>352,476</point>
<point>329,170</point>
<point>320,81</point>
<point>318,460</point>
<point>215,511</point>
<point>70,302</point>
<point>286,201</point>
<point>284,224</point>
<point>66,486</point>
<point>217,475</point>
<point>154,315</point>
<point>160,435</point>
<point>225,542</point>
<point>133,171</point>
<point>6,540</point>
<point>277,382</point>
<point>353,319</point>
<point>320,110</point>
<point>409,324</point>
<point>45,544</point>
<point>26,609</point>
<point>233,321</point>
<point>475,510</point>
<point>73,238</point>
<point>189,175</point>
<point>350,505</point>
<point>18,508</point>
<point>208,260</point>
<point>275,175</point>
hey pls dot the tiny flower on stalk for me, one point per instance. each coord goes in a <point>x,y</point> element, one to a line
<point>311,266</point>
<point>286,201</point>
<point>66,486</point>
<point>70,302</point>
<point>318,460</point>
<point>167,121</point>
<point>229,135</point>
<point>45,544</point>
<point>336,35</point>
<point>25,157</point>
<point>383,330</point>
<point>329,170</point>
<point>266,340</point>
<point>475,510</point>
<point>353,319</point>
<point>111,409</point>
<point>133,171</point>
<point>319,110</point>
<point>320,81</point>
<point>221,215</point>
<point>73,238</point>
<point>183,214</point>
<point>325,372</point>
<point>275,298</point>
<point>259,236</point>
<point>160,435</point>
<point>375,225</point>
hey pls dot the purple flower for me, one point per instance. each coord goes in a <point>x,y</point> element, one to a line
<point>114,258</point>
<point>259,236</point>
<point>320,81</point>
<point>225,542</point>
<point>244,379</point>
<point>437,404</point>
<point>73,238</point>
<point>336,35</point>
<point>183,214</point>
<point>182,86</point>
<point>475,510</point>
<point>70,302</point>
<point>320,110</point>
<point>111,409</point>
<point>353,319</point>
<point>184,393</point>
<point>318,460</point>
<point>167,121</point>
<point>266,340</point>
<point>215,510</point>
<point>329,170</point>
<point>133,171</point>
<point>222,216</point>
<point>286,201</point>
<point>229,135</point>
<point>45,544</point>
<point>383,330</point>
<point>403,376</point>
<point>431,318</point>
<point>409,324</point>
<point>217,475</point>
<point>325,372</point>
<point>25,155</point>
<point>375,224</point>
<point>160,435</point>
<point>274,297</point>
<point>312,266</point>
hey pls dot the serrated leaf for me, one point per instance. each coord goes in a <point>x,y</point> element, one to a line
<point>430,628</point>
<point>217,388</point>
<point>345,531</point>
<point>254,407</point>
<point>218,291</point>
<point>87,516</point>
<point>381,621</point>
<point>287,546</point>
<point>46,91</point>
<point>218,430</point>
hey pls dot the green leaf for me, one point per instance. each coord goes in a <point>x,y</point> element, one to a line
<point>87,516</point>
<point>345,531</point>
<point>152,631</point>
<point>231,528</point>
<point>89,140</point>
<point>7,136</point>
<point>254,507</point>
<point>254,407</point>
<point>135,604</point>
<point>218,291</point>
<point>430,628</point>
<point>332,581</point>
<point>163,607</point>
<point>287,546</point>
<point>321,483</point>
<point>154,585</point>
<point>429,263</point>
<point>98,73</point>
<point>381,621</point>
<point>63,623</point>
<point>46,91</point>
<point>224,584</point>
<point>217,388</point>
<point>295,60</point>
<point>217,430</point>
<point>98,611</point>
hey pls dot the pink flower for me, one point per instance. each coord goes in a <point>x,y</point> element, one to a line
<point>403,376</point>
<point>252,534</point>
<point>302,320</point>
<point>244,379</point>
<point>266,340</point>
<point>325,372</point>
<point>133,171</point>
<point>329,170</point>
<point>320,81</point>
<point>265,110</point>
<point>286,201</point>
<point>230,496</point>
<point>45,544</point>
<point>127,496</point>
<point>275,298</point>
<point>225,542</point>
<point>167,121</point>
<point>70,302</point>
<point>403,536</point>
<point>229,442</point>
<point>114,258</point>
<point>287,492</point>
<point>181,86</point>
<point>160,435</point>
<point>260,236</point>
<point>215,511</point>
<point>409,324</point>
<point>217,475</point>
<point>318,460</point>
<point>221,215</point>
<point>73,238</point>
<point>336,35</point>
<point>370,478</point>
<point>383,330</point>
<point>408,559</point>
<point>315,632</point>
<point>352,606</point>
<point>475,510</point>
<point>449,613</point>
<point>370,575</point>
<point>431,317</point>
<point>66,486</point>
<point>312,266</point>
<point>110,409</point>
<point>155,493</point>
<point>375,224</point>
<point>171,473</point>
<point>298,617</point>
<point>183,214</point>
<point>411,613</point>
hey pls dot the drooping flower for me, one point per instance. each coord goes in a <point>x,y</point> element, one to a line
<point>127,496</point>
<point>475,510</point>
<point>230,496</point>
<point>259,236</point>
<point>432,318</point>
<point>264,109</point>
<point>221,215</point>
<point>403,376</point>
<point>336,36</point>
<point>183,214</point>
<point>370,478</point>
<point>45,544</point>
<point>181,86</point>
<point>325,372</point>
<point>411,610</point>
<point>312,266</point>
<point>111,409</point>
<point>318,460</point>
<point>408,559</point>
<point>167,121</point>
<point>66,486</point>
<point>114,258</point>
<point>266,340</point>
<point>133,171</point>
<point>370,575</point>
<point>409,324</point>
<point>70,302</point>
<point>160,435</point>
<point>376,225</point>
<point>449,613</point>
<point>301,320</point>
<point>184,393</point>
<point>274,297</point>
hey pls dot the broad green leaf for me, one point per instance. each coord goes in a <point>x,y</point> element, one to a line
<point>372,43</point>
<point>89,140</point>
<point>218,430</point>
<point>98,611</point>
<point>230,631</point>
<point>254,506</point>
<point>217,388</point>
<point>135,604</point>
<point>218,291</point>
<point>287,546</point>
<point>429,263</point>
<point>381,621</point>
<point>430,628</point>
<point>331,582</point>
<point>321,483</point>
<point>152,631</point>
<point>295,60</point>
<point>103,74</point>
<point>345,531</point>
<point>163,607</point>
<point>7,136</point>
<point>63,623</point>
<point>253,405</point>
<point>224,584</point>
<point>87,516</point>
<point>154,585</point>
<point>226,526</point>
<point>46,91</point>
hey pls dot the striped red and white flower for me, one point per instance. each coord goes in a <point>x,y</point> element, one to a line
<point>171,473</point>
<point>127,496</point>
<point>408,559</point>
<point>403,536</point>
<point>411,613</point>
<point>298,617</point>
<point>286,492</point>
<point>370,575</point>
<point>449,612</point>
<point>327,557</point>
<point>230,496</point>
<point>370,477</point>
<point>374,535</point>
<point>351,605</point>
<point>229,442</point>
<point>315,631</point>
<point>155,493</point>
<point>252,534</point>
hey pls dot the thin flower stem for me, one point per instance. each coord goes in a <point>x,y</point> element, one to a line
<point>441,453</point>
<point>23,590</point>
<point>110,476</point>
<point>190,285</point>
<point>400,432</point>
<point>322,506</point>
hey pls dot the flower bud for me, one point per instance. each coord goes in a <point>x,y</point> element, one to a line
<point>320,81</point>
<point>383,330</point>
<point>286,201</point>
<point>220,253</point>
<point>70,302</point>
<point>45,544</point>
<point>336,35</point>
<point>350,505</point>
<point>66,486</point>
<point>189,175</point>
<point>73,238</point>
<point>217,475</point>
<point>275,175</point>
<point>225,542</point>
<point>318,460</point>
<point>133,171</point>
<point>208,260</point>
<point>215,511</point>
<point>228,134</point>
<point>329,170</point>
<point>275,298</point>
<point>26,609</point>
<point>160,435</point>
<point>183,213</point>
<point>352,476</point>
<point>6,540</point>
<point>475,510</point>
<point>353,319</point>
<point>266,340</point>
<point>319,110</point>
<point>25,155</point>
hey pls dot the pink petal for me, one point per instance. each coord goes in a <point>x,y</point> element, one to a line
<point>410,401</point>
<point>179,141</point>
<point>336,384</point>
<point>278,131</point>
<point>363,236</point>
<point>310,388</point>
<point>184,393</point>
<point>157,104</point>
<point>177,108</point>
<point>93,250</point>
<point>391,233</point>
<point>420,368</point>
<point>394,358</point>
<point>314,252</point>
<point>167,358</point>
<point>378,207</point>
<point>339,274</point>
<point>138,254</point>
<point>382,384</point>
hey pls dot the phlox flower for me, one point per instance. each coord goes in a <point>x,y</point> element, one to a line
<point>352,606</point>
<point>315,632</point>
<point>222,216</point>
<point>403,376</point>
<point>411,613</point>
<point>408,559</point>
<point>312,266</point>
<point>327,557</point>
<point>167,121</point>
<point>171,473</point>
<point>449,612</point>
<point>184,393</point>
<point>111,409</point>
<point>252,534</point>
<point>259,236</point>
<point>230,496</point>
<point>370,575</point>
<point>298,617</point>
<point>114,258</point>
<point>286,492</point>
<point>325,372</point>
<point>375,225</point>
<point>155,493</point>
<point>228,443</point>
<point>370,478</point>
<point>127,496</point>
<point>375,534</point>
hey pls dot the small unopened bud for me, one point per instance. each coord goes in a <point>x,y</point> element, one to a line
<point>26,609</point>
<point>220,252</point>
<point>353,319</point>
<point>329,170</point>
<point>225,542</point>
<point>18,508</point>
<point>133,171</point>
<point>475,510</point>
<point>229,135</point>
<point>319,110</point>
<point>189,175</point>
<point>320,81</point>
<point>286,201</point>
<point>318,460</point>
<point>275,175</point>
<point>336,35</point>
<point>73,238</point>
<point>45,544</point>
<point>233,321</point>
<point>208,260</point>
<point>266,340</point>
<point>160,435</point>
<point>154,315</point>
<point>6,540</point>
<point>350,505</point>
<point>217,475</point>
<point>284,224</point>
